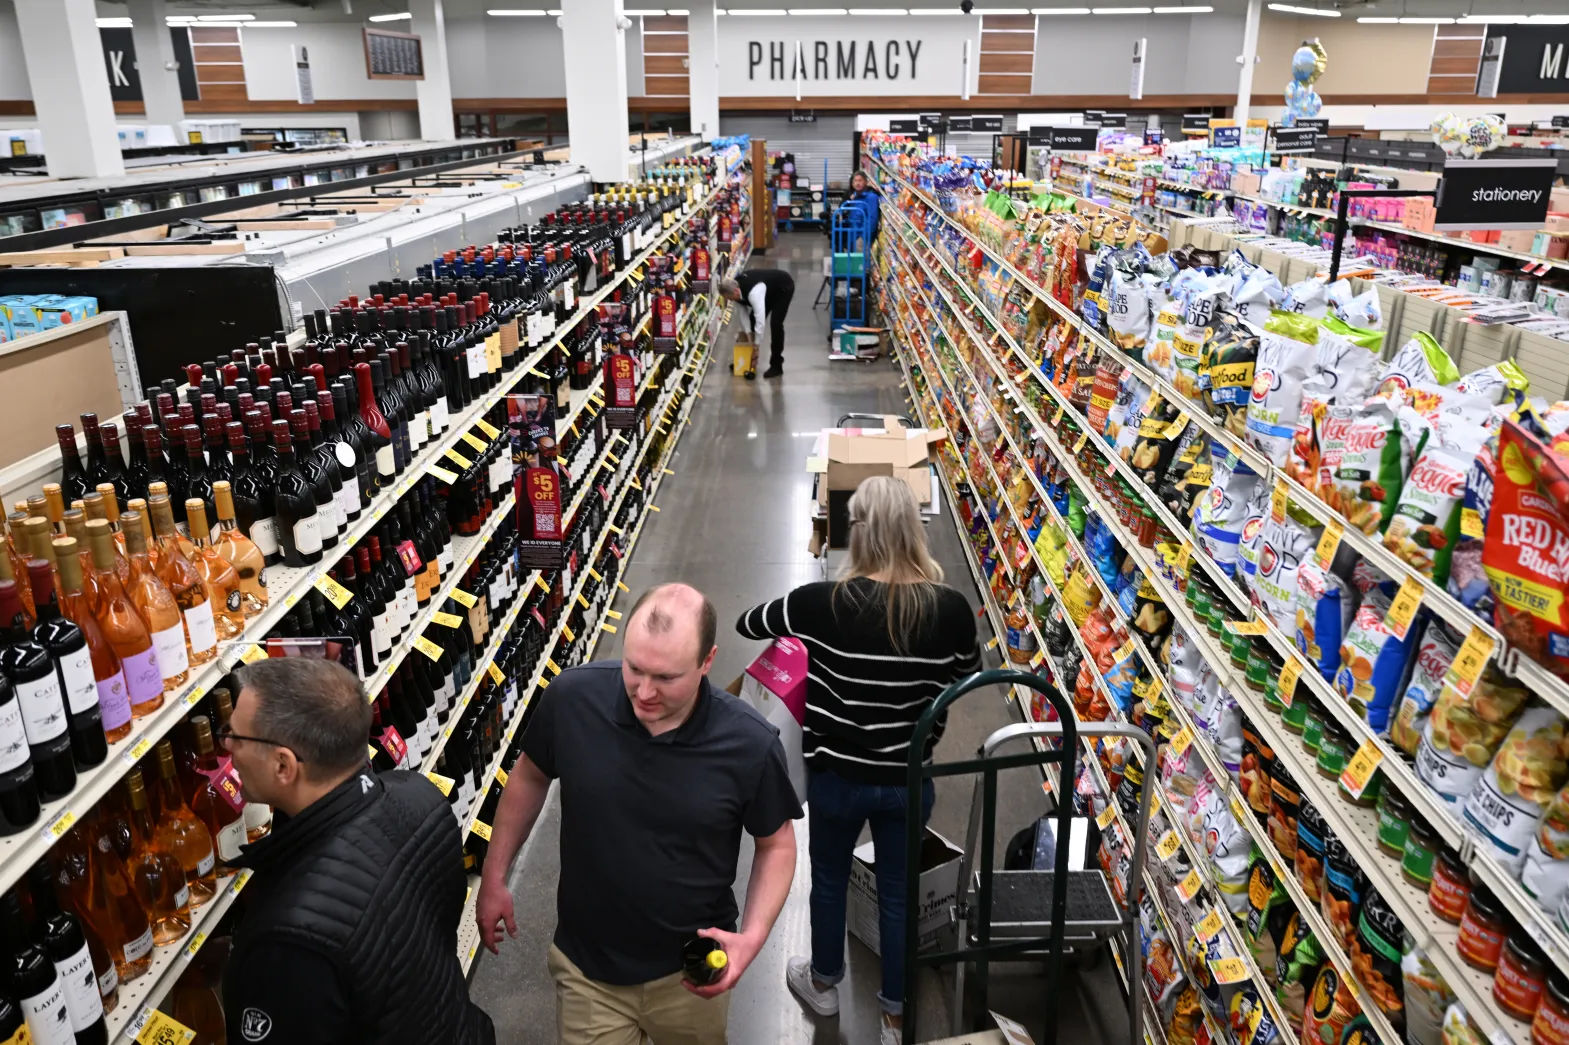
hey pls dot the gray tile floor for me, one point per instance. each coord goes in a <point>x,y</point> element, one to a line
<point>734,524</point>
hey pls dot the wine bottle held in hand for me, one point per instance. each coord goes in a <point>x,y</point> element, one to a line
<point>703,961</point>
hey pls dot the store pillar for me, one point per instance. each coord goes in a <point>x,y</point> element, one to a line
<point>434,92</point>
<point>65,68</point>
<point>594,36</point>
<point>1248,59</point>
<point>702,48</point>
<point>156,65</point>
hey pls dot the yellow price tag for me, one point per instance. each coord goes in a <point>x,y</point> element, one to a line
<point>1471,524</point>
<point>1037,660</point>
<point>613,615</point>
<point>581,601</point>
<point>1182,741</point>
<point>1152,694</point>
<point>1247,627</point>
<point>623,587</point>
<point>1229,970</point>
<point>482,829</point>
<point>200,938</point>
<point>495,674</point>
<point>568,633</point>
<point>1468,663</point>
<point>161,1029</point>
<point>542,585</point>
<point>1329,543</point>
<point>993,643</point>
<point>1189,887</point>
<point>252,654</point>
<point>427,647</point>
<point>1354,778</point>
<point>447,620</point>
<point>605,626</point>
<point>1083,438</point>
<point>60,824</point>
<point>336,593</point>
<point>475,441</point>
<point>443,784</point>
<point>138,749</point>
<point>1211,925</point>
<point>456,458</point>
<point>1279,498</point>
<point>501,776</point>
<point>1184,557</point>
<point>1289,674</point>
<point>465,598</point>
<point>1056,418</point>
<point>1237,809</point>
<point>445,476</point>
<point>555,669</point>
<point>370,749</point>
<point>595,574</point>
<point>1168,845</point>
<point>1402,610</point>
<point>490,430</point>
<point>1106,816</point>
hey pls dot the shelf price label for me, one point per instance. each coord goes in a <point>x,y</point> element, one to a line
<point>443,783</point>
<point>1168,845</point>
<point>59,825</point>
<point>1182,741</point>
<point>447,620</point>
<point>1184,557</point>
<point>252,654</point>
<point>139,749</point>
<point>456,458</point>
<point>1289,674</point>
<point>336,593</point>
<point>1469,662</point>
<point>1359,770</point>
<point>427,647</point>
<point>1106,816</point>
<point>482,829</point>
<point>1229,970</point>
<point>1402,610</point>
<point>501,776</point>
<point>1189,887</point>
<point>495,674</point>
<point>1079,445</point>
<point>1471,524</point>
<point>1279,499</point>
<point>450,478</point>
<point>156,1028</point>
<point>1210,925</point>
<point>475,441</point>
<point>1247,627</point>
<point>1329,543</point>
<point>464,597</point>
<point>490,430</point>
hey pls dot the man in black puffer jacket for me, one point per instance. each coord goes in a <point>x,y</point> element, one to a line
<point>349,931</point>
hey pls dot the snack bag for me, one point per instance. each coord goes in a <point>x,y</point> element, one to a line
<point>1435,651</point>
<point>1233,362</point>
<point>1426,996</point>
<point>1503,808</point>
<point>1188,475</point>
<point>1545,873</point>
<point>1425,525</point>
<point>1458,1028</point>
<point>1129,317</point>
<point>1497,382</point>
<point>1526,553</point>
<point>1376,953</point>
<point>1275,401</point>
<point>1333,426</point>
<point>1310,297</point>
<point>1267,904</point>
<point>1330,1006</point>
<point>1219,515</point>
<point>1256,291</point>
<point>1284,547</point>
<point>1312,843</point>
<point>1159,349</point>
<point>1420,361</point>
<point>1344,365</point>
<point>1252,540</point>
<point>1372,467</point>
<point>1298,959</point>
<point>1462,735</point>
<point>1324,609</point>
<point>1373,661</point>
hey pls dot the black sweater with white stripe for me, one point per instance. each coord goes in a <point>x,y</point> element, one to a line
<point>863,697</point>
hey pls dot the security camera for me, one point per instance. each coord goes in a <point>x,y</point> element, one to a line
<point>967,6</point>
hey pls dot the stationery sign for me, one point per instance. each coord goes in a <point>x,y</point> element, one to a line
<point>1292,139</point>
<point>620,390</point>
<point>1225,137</point>
<point>1494,194</point>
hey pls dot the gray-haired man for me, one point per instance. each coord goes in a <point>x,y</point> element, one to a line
<point>767,293</point>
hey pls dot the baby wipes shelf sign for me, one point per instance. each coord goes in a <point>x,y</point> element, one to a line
<point>1494,194</point>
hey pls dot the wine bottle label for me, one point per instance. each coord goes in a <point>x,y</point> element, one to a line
<point>386,461</point>
<point>142,946</point>
<point>82,999</point>
<point>108,981</point>
<point>143,678</point>
<point>205,866</point>
<point>257,815</point>
<point>349,497</point>
<point>447,691</point>
<point>264,534</point>
<point>76,680</point>
<point>439,414</point>
<point>199,627</point>
<point>307,535</point>
<point>114,701</point>
<point>43,709</point>
<point>419,430</point>
<point>48,1020</point>
<point>13,737</point>
<point>230,838</point>
<point>344,453</point>
<point>172,657</point>
<point>380,634</point>
<point>568,295</point>
<point>446,558</point>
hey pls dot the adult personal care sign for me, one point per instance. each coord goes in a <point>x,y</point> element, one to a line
<point>771,55</point>
<point>1494,194</point>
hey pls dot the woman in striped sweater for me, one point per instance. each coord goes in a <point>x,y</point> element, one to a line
<point>882,643</point>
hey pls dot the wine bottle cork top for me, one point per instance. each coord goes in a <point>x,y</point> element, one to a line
<point>54,501</point>
<point>70,564</point>
<point>135,536</point>
<point>101,541</point>
<point>196,515</point>
<point>716,959</point>
<point>38,534</point>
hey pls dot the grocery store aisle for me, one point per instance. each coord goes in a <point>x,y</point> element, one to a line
<point>733,522</point>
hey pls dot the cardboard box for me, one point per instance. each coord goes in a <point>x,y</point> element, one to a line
<point>854,454</point>
<point>858,343</point>
<point>939,892</point>
<point>775,684</point>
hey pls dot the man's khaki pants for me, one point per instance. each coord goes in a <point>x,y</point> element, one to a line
<point>592,1013</point>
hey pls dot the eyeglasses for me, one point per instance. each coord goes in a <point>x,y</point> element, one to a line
<point>227,737</point>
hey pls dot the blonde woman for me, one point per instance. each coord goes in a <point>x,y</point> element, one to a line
<point>883,641</point>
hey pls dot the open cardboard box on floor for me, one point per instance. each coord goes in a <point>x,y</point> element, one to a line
<point>848,455</point>
<point>1007,1033</point>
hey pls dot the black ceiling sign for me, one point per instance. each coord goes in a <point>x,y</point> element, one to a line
<point>1535,58</point>
<point>1292,139</point>
<point>125,80</point>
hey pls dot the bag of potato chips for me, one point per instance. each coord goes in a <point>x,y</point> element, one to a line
<point>1372,467</point>
<point>1526,553</point>
<point>1502,810</point>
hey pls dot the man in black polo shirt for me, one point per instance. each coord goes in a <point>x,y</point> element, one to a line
<point>767,293</point>
<point>660,774</point>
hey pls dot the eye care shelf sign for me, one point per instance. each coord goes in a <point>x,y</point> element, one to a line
<point>1494,194</point>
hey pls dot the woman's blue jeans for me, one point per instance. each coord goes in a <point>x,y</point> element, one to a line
<point>838,808</point>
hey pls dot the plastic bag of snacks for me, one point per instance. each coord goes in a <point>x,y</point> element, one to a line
<point>1330,1006</point>
<point>1526,553</point>
<point>1425,525</point>
<point>1458,1028</point>
<point>1324,610</point>
<point>1219,515</point>
<point>1299,956</point>
<point>1426,996</point>
<point>1545,874</point>
<point>1256,292</point>
<point>1285,546</point>
<point>1462,735</point>
<point>1275,400</point>
<point>1232,365</point>
<point>1160,349</point>
<point>1230,848</point>
<point>1345,362</point>
<point>1376,953</point>
<point>1186,1018</point>
<point>1496,382</point>
<point>1250,1021</point>
<point>1372,466</point>
<point>1373,660</point>
<point>1252,542</point>
<point>1502,810</point>
<point>1129,314</point>
<point>1420,361</point>
<point>1345,884</point>
<point>1268,909</point>
<point>1435,651</point>
<point>1312,844</point>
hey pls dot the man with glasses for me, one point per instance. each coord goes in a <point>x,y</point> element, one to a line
<point>350,924</point>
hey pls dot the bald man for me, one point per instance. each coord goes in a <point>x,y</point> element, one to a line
<point>660,774</point>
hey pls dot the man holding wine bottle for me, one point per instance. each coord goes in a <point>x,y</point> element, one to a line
<point>660,774</point>
<point>350,924</point>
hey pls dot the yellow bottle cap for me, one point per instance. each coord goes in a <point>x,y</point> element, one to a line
<point>717,959</point>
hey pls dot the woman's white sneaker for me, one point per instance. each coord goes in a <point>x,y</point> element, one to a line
<point>822,1000</point>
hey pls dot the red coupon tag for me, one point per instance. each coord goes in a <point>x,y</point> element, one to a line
<point>394,745</point>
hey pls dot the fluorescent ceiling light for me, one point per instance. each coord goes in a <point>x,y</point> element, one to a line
<point>391,18</point>
<point>113,23</point>
<point>512,13</point>
<point>1404,20</point>
<point>927,11</point>
<point>1379,21</point>
<point>1059,10</point>
<point>554,12</point>
<point>226,18</point>
<point>818,11</point>
<point>1121,10</point>
<point>1475,19</point>
<point>1006,11</point>
<point>876,11</point>
<point>1293,9</point>
<point>1184,10</point>
<point>760,11</point>
<point>680,12</point>
<point>644,12</point>
<point>270,25</point>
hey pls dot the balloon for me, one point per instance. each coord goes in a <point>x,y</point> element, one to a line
<point>1307,65</point>
<point>1468,136</point>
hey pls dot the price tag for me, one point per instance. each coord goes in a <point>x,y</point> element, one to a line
<point>427,647</point>
<point>568,633</point>
<point>156,1028</point>
<point>464,597</point>
<point>490,430</point>
<point>1211,925</point>
<point>1152,694</point>
<point>551,664</point>
<point>1471,524</point>
<point>1468,663</point>
<point>501,776</point>
<point>1182,741</point>
<point>1229,970</point>
<point>623,587</point>
<point>195,944</point>
<point>595,574</point>
<point>1056,418</point>
<point>613,615</point>
<point>1279,498</point>
<point>495,674</point>
<point>447,620</point>
<point>443,783</point>
<point>1247,627</point>
<point>138,750</point>
<point>482,829</point>
<point>370,749</point>
<point>1184,557</point>
<point>1288,680</point>
<point>475,441</point>
<point>450,478</point>
<point>606,626</point>
<point>1189,887</point>
<point>1083,438</point>
<point>1354,778</point>
<point>993,643</point>
<point>1106,816</point>
<point>1168,845</point>
<point>456,458</point>
<point>1402,610</point>
<point>1329,543</point>
<point>336,593</point>
<point>1237,810</point>
<point>59,825</point>
<point>581,601</point>
<point>252,654</point>
<point>542,585</point>
<point>1037,660</point>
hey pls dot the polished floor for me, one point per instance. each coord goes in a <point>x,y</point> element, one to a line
<point>734,523</point>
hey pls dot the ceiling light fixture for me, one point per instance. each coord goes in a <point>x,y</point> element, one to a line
<point>267,25</point>
<point>1121,10</point>
<point>112,23</point>
<point>1184,10</point>
<point>644,12</point>
<point>934,11</point>
<point>392,18</point>
<point>225,18</point>
<point>679,12</point>
<point>1379,21</point>
<point>512,13</point>
<point>875,11</point>
<point>1059,10</point>
<point>1293,9</point>
<point>818,11</point>
<point>1404,20</point>
<point>1006,11</point>
<point>759,11</point>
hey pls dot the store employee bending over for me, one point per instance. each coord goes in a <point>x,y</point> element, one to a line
<point>660,774</point>
<point>767,293</point>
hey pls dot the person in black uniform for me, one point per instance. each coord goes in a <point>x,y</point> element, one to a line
<point>767,293</point>
<point>350,926</point>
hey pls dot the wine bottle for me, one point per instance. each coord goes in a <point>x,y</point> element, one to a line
<point>299,531</point>
<point>158,610</point>
<point>258,815</point>
<point>115,472</point>
<point>155,871</point>
<point>184,582</point>
<point>211,801</point>
<point>131,944</point>
<point>111,698</point>
<point>33,977</point>
<point>13,1023</point>
<point>241,553</point>
<point>221,578</point>
<point>73,477</point>
<point>198,483</point>
<point>37,686</point>
<point>319,479</point>
<point>181,833</point>
<point>253,500</point>
<point>63,942</point>
<point>375,423</point>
